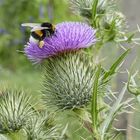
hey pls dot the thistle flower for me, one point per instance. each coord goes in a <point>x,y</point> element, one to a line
<point>69,36</point>
<point>68,81</point>
<point>69,74</point>
<point>15,109</point>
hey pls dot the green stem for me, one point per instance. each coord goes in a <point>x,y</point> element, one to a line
<point>94,108</point>
<point>94,12</point>
<point>84,116</point>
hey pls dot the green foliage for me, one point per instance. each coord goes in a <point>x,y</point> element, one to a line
<point>68,85</point>
<point>132,86</point>
<point>106,126</point>
<point>105,17</point>
<point>102,114</point>
<point>115,66</point>
<point>94,106</point>
<point>94,11</point>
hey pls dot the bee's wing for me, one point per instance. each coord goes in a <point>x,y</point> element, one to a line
<point>32,25</point>
<point>38,28</point>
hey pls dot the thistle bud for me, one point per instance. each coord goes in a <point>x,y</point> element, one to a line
<point>15,109</point>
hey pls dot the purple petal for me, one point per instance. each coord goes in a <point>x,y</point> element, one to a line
<point>68,36</point>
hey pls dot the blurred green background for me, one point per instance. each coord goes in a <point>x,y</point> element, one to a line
<point>17,72</point>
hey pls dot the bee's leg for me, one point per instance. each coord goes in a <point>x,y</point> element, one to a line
<point>41,44</point>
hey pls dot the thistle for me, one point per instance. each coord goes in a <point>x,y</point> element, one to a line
<point>104,16</point>
<point>20,120</point>
<point>15,109</point>
<point>85,7</point>
<point>69,73</point>
<point>72,81</point>
<point>68,81</point>
<point>38,128</point>
<point>82,7</point>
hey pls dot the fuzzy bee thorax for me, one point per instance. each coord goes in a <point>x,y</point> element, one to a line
<point>39,33</point>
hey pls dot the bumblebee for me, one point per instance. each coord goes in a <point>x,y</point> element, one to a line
<point>40,31</point>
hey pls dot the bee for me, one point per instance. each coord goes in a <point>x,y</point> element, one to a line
<point>39,31</point>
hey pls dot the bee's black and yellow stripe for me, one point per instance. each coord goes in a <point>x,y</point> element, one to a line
<point>39,34</point>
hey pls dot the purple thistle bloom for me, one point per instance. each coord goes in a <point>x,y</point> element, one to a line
<point>69,36</point>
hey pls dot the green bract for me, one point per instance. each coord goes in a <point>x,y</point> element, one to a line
<point>68,81</point>
<point>15,110</point>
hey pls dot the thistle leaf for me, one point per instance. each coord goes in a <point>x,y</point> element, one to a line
<point>94,11</point>
<point>132,87</point>
<point>115,65</point>
<point>107,123</point>
<point>94,109</point>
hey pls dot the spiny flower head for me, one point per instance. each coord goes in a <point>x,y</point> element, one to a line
<point>114,27</point>
<point>85,7</point>
<point>68,81</point>
<point>15,109</point>
<point>69,36</point>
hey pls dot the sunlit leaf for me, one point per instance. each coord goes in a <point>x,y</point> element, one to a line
<point>115,65</point>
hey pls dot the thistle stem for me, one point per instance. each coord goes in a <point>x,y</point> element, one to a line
<point>94,12</point>
<point>94,108</point>
<point>84,116</point>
